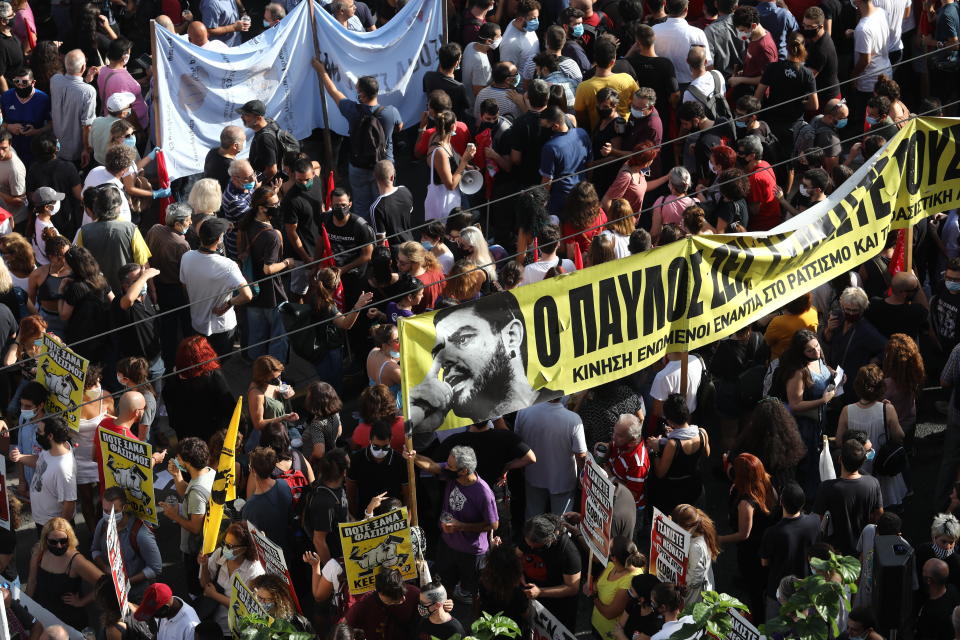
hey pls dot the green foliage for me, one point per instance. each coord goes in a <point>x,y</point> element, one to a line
<point>811,612</point>
<point>255,628</point>
<point>711,616</point>
<point>488,627</point>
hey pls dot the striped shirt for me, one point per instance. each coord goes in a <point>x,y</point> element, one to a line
<point>234,204</point>
<point>631,467</point>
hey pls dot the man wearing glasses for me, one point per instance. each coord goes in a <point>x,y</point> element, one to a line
<point>376,471</point>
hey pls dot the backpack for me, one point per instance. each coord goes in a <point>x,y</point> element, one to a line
<point>308,343</point>
<point>135,530</point>
<point>295,479</point>
<point>598,30</point>
<point>286,142</point>
<point>715,104</point>
<point>368,141</point>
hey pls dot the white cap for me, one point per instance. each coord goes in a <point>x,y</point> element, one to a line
<point>120,101</point>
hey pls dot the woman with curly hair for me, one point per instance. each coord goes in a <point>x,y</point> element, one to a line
<point>773,437</point>
<point>879,421</point>
<point>754,507</point>
<point>704,548</point>
<point>93,35</point>
<point>377,403</point>
<point>45,63</point>
<point>888,88</point>
<point>198,376</point>
<point>695,221</point>
<point>43,285</point>
<point>501,587</point>
<point>531,218</point>
<point>18,256</point>
<point>274,596</point>
<point>412,258</point>
<point>463,284</point>
<point>236,557</point>
<point>905,373</point>
<point>322,426</point>
<point>582,219</point>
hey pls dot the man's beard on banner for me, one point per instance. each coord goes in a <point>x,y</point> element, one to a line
<point>489,387</point>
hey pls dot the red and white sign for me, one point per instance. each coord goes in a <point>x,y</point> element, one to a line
<point>271,557</point>
<point>115,560</point>
<point>669,549</point>
<point>597,509</point>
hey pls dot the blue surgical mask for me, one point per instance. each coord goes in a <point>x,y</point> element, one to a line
<point>533,25</point>
<point>249,186</point>
<point>427,245</point>
<point>143,291</point>
<point>26,415</point>
<point>266,24</point>
<point>871,120</point>
<point>577,31</point>
<point>179,465</point>
<point>841,123</point>
<point>952,286</point>
<point>637,113</point>
<point>645,172</point>
<point>395,354</point>
<point>871,454</point>
<point>229,554</point>
<point>130,141</point>
<point>740,124</point>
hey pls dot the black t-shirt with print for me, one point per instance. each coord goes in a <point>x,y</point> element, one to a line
<point>346,241</point>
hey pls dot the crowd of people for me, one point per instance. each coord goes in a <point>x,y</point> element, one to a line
<point>602,130</point>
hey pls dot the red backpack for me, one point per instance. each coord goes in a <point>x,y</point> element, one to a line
<point>295,478</point>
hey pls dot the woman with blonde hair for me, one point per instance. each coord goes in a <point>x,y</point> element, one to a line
<point>413,259</point>
<point>267,401</point>
<point>621,223</point>
<point>205,199</point>
<point>328,356</point>
<point>613,585</point>
<point>704,548</point>
<point>274,596</point>
<point>477,252</point>
<point>446,168</point>
<point>905,374</point>
<point>57,570</point>
<point>463,284</point>
<point>383,361</point>
<point>18,256</point>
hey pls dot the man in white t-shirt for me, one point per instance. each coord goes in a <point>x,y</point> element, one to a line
<point>475,64</point>
<point>177,619</point>
<point>520,39</point>
<point>13,179</point>
<point>667,381</point>
<point>548,243</point>
<point>897,12</point>
<point>210,280</point>
<point>871,46</point>
<point>53,489</point>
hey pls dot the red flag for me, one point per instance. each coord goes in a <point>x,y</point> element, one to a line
<point>897,259</point>
<point>577,257</point>
<point>536,251</point>
<point>326,258</point>
<point>164,179</point>
<point>331,185</point>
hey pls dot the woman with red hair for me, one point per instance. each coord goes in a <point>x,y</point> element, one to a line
<point>631,181</point>
<point>198,398</point>
<point>753,508</point>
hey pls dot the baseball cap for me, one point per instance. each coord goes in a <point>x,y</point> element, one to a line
<point>211,229</point>
<point>46,195</point>
<point>253,108</point>
<point>157,596</point>
<point>6,10</point>
<point>118,101</point>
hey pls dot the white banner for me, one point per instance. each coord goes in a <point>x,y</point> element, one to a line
<point>200,90</point>
<point>115,558</point>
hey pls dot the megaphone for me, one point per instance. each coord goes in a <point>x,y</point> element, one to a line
<point>471,181</point>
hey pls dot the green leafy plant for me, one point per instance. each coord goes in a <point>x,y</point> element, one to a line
<point>811,612</point>
<point>488,627</point>
<point>256,628</point>
<point>711,616</point>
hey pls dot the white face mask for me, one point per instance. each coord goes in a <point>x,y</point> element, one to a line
<point>378,454</point>
<point>496,43</point>
<point>126,59</point>
<point>56,207</point>
<point>713,168</point>
<point>804,191</point>
<point>745,36</point>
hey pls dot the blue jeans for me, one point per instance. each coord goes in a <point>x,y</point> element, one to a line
<point>330,368</point>
<point>265,323</point>
<point>364,188</point>
<point>542,501</point>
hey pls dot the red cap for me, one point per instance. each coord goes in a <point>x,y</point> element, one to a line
<point>155,598</point>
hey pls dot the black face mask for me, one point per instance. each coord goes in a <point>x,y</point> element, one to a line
<point>24,92</point>
<point>340,212</point>
<point>605,112</point>
<point>810,34</point>
<point>55,549</point>
<point>450,474</point>
<point>742,160</point>
<point>272,211</point>
<point>44,441</point>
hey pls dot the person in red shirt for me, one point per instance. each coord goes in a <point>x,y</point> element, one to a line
<point>582,219</point>
<point>390,612</point>
<point>761,51</point>
<point>129,414</point>
<point>438,102</point>
<point>629,461</point>
<point>763,203</point>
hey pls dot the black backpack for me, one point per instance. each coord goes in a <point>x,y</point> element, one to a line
<point>715,104</point>
<point>892,457</point>
<point>287,143</point>
<point>368,141</point>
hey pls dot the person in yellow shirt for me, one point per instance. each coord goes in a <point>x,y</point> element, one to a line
<point>585,102</point>
<point>797,314</point>
<point>613,585</point>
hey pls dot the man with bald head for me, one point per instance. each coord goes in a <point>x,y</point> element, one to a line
<point>73,108</point>
<point>127,422</point>
<point>217,163</point>
<point>904,310</point>
<point>824,132</point>
<point>197,34</point>
<point>934,621</point>
<point>273,14</point>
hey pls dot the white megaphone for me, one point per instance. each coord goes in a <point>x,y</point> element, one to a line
<point>471,181</point>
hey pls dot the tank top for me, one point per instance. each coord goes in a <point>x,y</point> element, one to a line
<point>49,289</point>
<point>394,388</point>
<point>684,464</point>
<point>435,178</point>
<point>50,589</point>
<point>87,471</point>
<point>870,421</point>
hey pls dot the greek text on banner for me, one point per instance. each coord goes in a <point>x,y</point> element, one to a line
<point>504,352</point>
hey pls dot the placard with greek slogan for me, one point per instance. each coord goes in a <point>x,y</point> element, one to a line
<point>597,509</point>
<point>62,372</point>
<point>115,559</point>
<point>128,463</point>
<point>669,549</point>
<point>374,544</point>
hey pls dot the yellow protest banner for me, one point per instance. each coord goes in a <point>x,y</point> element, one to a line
<point>128,464</point>
<point>62,372</point>
<point>376,543</point>
<point>224,484</point>
<point>244,604</point>
<point>505,352</point>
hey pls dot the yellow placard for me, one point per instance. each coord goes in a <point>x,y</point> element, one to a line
<point>62,372</point>
<point>504,352</point>
<point>128,464</point>
<point>243,604</point>
<point>224,484</point>
<point>374,544</point>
